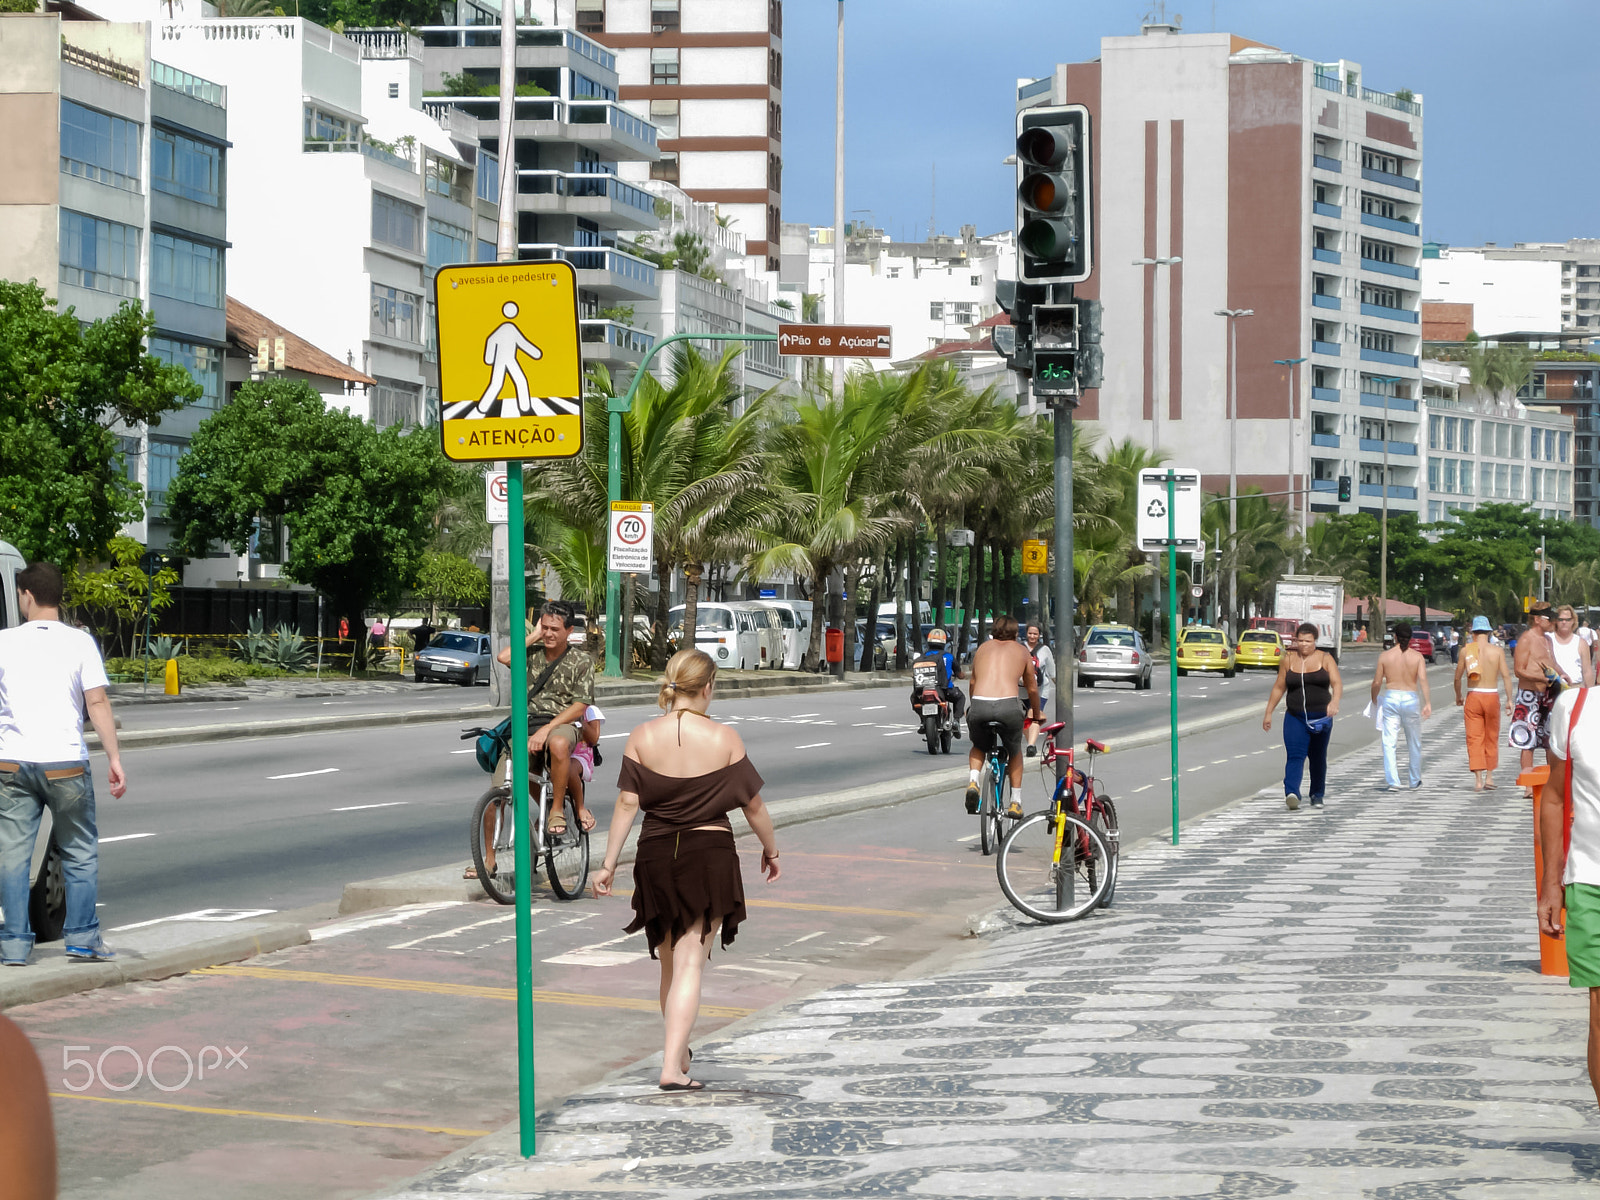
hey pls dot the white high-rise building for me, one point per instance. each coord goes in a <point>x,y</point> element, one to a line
<point>1528,287</point>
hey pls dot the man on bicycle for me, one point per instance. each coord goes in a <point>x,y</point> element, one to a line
<point>1001,668</point>
<point>565,678</point>
<point>937,651</point>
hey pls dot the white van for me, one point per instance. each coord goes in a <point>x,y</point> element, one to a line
<point>794,618</point>
<point>769,630</point>
<point>727,632</point>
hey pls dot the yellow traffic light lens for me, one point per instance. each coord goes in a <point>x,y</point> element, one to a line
<point>1044,191</point>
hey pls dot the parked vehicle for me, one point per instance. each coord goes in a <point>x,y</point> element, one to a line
<point>794,620</point>
<point>769,634</point>
<point>727,632</point>
<point>1260,648</point>
<point>1315,600</point>
<point>1114,654</point>
<point>929,703</point>
<point>1202,648</point>
<point>453,656</point>
<point>1422,642</point>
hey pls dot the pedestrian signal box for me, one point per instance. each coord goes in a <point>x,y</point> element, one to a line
<point>510,372</point>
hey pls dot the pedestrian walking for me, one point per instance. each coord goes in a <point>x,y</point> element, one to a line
<point>1538,683</point>
<point>1044,668</point>
<point>380,631</point>
<point>1569,841</point>
<point>1402,679</point>
<point>50,675</point>
<point>687,772</point>
<point>1482,667</point>
<point>1455,644</point>
<point>1308,683</point>
<point>1574,663</point>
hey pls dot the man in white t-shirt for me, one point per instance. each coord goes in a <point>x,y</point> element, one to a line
<point>1571,877</point>
<point>51,675</point>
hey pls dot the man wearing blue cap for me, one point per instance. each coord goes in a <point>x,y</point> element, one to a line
<point>1482,666</point>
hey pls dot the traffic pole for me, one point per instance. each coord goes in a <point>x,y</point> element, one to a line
<point>522,831</point>
<point>1172,636</point>
<point>1065,625</point>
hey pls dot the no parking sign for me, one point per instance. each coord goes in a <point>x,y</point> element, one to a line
<point>630,546</point>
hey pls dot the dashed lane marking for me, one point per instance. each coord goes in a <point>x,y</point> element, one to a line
<point>872,707</point>
<point>540,995</point>
<point>303,774</point>
<point>361,807</point>
<point>813,745</point>
<point>1145,788</point>
<point>271,1116</point>
<point>1192,770</point>
<point>902,732</point>
<point>125,837</point>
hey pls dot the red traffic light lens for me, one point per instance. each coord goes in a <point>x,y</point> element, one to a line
<point>1044,145</point>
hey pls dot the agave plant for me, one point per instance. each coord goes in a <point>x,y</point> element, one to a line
<point>163,648</point>
<point>252,647</point>
<point>287,650</point>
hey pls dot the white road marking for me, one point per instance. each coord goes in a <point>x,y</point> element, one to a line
<point>1240,756</point>
<point>862,724</point>
<point>1145,788</point>
<point>392,917</point>
<point>1258,752</point>
<point>468,750</point>
<point>787,976</point>
<point>971,837</point>
<point>1215,762</point>
<point>598,956</point>
<point>125,837</point>
<point>872,707</point>
<point>604,736</point>
<point>220,915</point>
<point>303,774</point>
<point>797,716</point>
<point>359,807</point>
<point>428,937</point>
<point>1192,770</point>
<point>813,745</point>
<point>902,732</point>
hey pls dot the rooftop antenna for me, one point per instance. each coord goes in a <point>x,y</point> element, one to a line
<point>1156,18</point>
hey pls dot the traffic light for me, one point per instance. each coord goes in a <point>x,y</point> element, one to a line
<point>1344,489</point>
<point>1091,362</point>
<point>1055,350</point>
<point>1053,194</point>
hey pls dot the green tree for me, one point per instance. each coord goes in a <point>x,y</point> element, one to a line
<point>63,386</point>
<point>122,588</point>
<point>446,578</point>
<point>357,501</point>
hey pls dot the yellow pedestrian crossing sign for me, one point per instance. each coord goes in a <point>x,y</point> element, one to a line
<point>1035,557</point>
<point>510,374</point>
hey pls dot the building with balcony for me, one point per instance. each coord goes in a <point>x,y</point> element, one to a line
<point>1286,187</point>
<point>1525,287</point>
<point>572,137</point>
<point>334,124</point>
<point>709,75</point>
<point>1486,449</point>
<point>115,189</point>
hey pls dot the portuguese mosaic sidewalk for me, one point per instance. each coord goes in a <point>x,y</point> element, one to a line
<point>1337,1005</point>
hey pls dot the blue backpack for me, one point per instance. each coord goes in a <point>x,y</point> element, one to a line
<point>491,746</point>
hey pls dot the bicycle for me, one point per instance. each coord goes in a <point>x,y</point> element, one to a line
<point>991,789</point>
<point>1060,864</point>
<point>566,854</point>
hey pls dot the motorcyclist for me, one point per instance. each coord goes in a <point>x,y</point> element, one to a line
<point>937,650</point>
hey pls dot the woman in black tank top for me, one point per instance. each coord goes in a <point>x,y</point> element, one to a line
<point>1309,685</point>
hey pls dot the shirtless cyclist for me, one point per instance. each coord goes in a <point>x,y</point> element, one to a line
<point>1001,667</point>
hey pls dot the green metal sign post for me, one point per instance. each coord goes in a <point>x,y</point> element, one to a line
<point>615,408</point>
<point>1172,636</point>
<point>522,836</point>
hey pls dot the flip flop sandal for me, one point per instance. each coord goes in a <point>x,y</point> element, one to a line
<point>588,821</point>
<point>694,1085</point>
<point>470,873</point>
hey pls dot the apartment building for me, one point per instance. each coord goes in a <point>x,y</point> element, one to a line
<point>1485,449</point>
<point>333,126</point>
<point>1289,188</point>
<point>115,189</point>
<point>1537,287</point>
<point>709,75</point>
<point>573,136</point>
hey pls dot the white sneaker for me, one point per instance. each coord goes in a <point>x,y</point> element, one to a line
<point>1292,800</point>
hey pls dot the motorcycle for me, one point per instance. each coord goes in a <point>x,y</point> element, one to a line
<point>928,701</point>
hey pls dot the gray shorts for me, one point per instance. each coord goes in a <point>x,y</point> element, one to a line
<point>1007,712</point>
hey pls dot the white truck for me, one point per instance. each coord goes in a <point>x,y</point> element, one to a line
<point>1317,600</point>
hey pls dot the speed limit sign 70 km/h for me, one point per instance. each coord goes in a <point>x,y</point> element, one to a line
<point>629,547</point>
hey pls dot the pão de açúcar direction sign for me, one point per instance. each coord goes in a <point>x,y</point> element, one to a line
<point>631,544</point>
<point>835,341</point>
<point>510,375</point>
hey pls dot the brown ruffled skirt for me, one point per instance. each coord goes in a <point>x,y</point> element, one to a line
<point>686,881</point>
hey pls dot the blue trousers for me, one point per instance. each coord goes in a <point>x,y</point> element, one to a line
<point>24,795</point>
<point>1299,744</point>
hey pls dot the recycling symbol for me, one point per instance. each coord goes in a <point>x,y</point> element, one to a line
<point>1156,509</point>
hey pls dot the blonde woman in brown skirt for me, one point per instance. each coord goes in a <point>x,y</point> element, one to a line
<point>687,773</point>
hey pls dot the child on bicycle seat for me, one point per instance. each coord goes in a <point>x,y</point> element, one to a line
<point>587,752</point>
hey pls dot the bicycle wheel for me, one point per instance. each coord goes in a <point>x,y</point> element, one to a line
<point>988,817</point>
<point>1046,890</point>
<point>566,855</point>
<point>1107,831</point>
<point>501,884</point>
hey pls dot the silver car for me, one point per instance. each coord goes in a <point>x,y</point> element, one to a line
<point>1114,652</point>
<point>454,656</point>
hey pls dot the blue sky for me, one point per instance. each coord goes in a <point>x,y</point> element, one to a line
<point>1509,88</point>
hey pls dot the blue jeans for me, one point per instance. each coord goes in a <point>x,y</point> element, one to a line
<point>24,795</point>
<point>1402,715</point>
<point>1299,744</point>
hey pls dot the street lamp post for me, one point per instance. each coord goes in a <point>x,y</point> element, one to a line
<point>1233,315</point>
<point>1387,382</point>
<point>1155,438</point>
<point>1292,363</point>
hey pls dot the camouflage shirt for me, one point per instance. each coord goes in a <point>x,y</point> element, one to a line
<point>572,682</point>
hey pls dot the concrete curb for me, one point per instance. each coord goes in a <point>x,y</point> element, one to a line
<point>623,696</point>
<point>55,977</point>
<point>439,884</point>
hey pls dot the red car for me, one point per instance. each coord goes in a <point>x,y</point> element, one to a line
<point>1422,643</point>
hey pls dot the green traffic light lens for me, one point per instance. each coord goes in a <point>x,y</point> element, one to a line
<point>1047,239</point>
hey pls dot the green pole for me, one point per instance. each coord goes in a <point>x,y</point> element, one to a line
<point>522,834</point>
<point>614,410</point>
<point>1172,637</point>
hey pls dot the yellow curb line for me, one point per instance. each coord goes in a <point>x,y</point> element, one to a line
<point>269,1116</point>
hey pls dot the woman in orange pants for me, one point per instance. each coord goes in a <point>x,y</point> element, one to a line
<point>1483,667</point>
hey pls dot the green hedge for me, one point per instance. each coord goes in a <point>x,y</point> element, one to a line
<point>193,670</point>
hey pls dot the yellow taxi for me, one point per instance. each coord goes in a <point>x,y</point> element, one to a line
<point>1260,648</point>
<point>1201,648</point>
